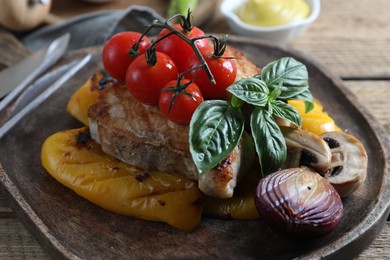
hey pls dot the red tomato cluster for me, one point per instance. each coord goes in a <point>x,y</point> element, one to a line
<point>223,69</point>
<point>185,103</point>
<point>178,49</point>
<point>148,82</point>
<point>116,57</point>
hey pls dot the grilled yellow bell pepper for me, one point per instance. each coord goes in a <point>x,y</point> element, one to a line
<point>77,162</point>
<point>83,98</point>
<point>317,120</point>
<point>240,206</point>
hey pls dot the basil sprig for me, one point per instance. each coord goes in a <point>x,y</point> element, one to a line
<point>217,126</point>
<point>215,129</point>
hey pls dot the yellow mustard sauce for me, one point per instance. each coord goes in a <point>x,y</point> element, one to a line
<point>273,12</point>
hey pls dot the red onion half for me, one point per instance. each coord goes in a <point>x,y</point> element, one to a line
<point>299,201</point>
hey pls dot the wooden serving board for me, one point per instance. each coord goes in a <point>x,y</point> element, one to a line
<point>69,226</point>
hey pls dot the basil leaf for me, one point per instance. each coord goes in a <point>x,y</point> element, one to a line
<point>275,93</point>
<point>215,129</point>
<point>287,112</point>
<point>307,97</point>
<point>269,141</point>
<point>251,90</point>
<point>292,74</point>
<point>308,106</point>
<point>236,102</point>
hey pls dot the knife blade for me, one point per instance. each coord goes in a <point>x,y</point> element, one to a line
<point>43,96</point>
<point>34,89</point>
<point>14,79</point>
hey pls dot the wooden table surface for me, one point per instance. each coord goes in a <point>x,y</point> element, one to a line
<point>352,39</point>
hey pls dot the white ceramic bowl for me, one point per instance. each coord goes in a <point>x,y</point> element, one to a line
<point>279,34</point>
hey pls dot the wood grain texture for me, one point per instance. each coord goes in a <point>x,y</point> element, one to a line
<point>17,243</point>
<point>379,249</point>
<point>351,37</point>
<point>375,97</point>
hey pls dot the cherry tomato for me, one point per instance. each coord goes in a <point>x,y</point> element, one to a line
<point>177,48</point>
<point>183,105</point>
<point>145,81</point>
<point>223,69</point>
<point>116,57</point>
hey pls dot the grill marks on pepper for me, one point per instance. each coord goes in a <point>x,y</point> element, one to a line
<point>83,139</point>
<point>145,175</point>
<point>197,203</point>
<point>161,203</point>
<point>142,176</point>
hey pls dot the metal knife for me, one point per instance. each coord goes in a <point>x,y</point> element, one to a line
<point>43,96</point>
<point>16,78</point>
<point>34,89</point>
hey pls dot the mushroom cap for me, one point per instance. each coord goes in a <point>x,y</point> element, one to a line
<point>349,162</point>
<point>306,149</point>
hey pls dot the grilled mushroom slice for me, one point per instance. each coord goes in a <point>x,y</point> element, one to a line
<point>349,162</point>
<point>306,149</point>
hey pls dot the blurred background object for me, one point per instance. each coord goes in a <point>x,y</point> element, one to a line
<point>272,12</point>
<point>273,20</point>
<point>23,15</point>
<point>181,7</point>
<point>202,10</point>
<point>97,1</point>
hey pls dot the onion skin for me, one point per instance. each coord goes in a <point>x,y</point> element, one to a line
<point>299,202</point>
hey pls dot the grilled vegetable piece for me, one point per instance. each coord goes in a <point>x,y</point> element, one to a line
<point>181,7</point>
<point>348,169</point>
<point>317,120</point>
<point>78,162</point>
<point>83,98</point>
<point>306,149</point>
<point>240,206</point>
